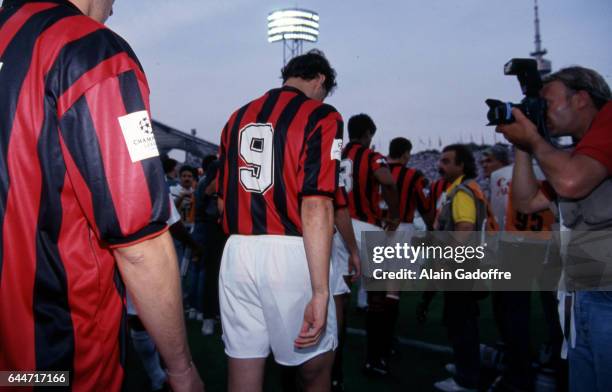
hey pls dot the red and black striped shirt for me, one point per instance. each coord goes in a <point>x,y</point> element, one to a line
<point>410,186</point>
<point>358,166</point>
<point>436,189</point>
<point>71,188</point>
<point>274,151</point>
<point>341,199</point>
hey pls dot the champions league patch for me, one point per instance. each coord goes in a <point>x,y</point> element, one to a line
<point>138,135</point>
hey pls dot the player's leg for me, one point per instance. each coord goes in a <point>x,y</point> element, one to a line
<point>245,375</point>
<point>340,290</point>
<point>391,314</point>
<point>285,291</point>
<point>245,334</point>
<point>375,329</point>
<point>315,374</point>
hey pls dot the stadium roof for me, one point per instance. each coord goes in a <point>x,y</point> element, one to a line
<point>169,138</point>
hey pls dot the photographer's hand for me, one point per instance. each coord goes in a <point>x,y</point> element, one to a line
<point>522,133</point>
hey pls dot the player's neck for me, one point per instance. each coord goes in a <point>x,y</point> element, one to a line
<point>83,5</point>
<point>303,85</point>
<point>364,142</point>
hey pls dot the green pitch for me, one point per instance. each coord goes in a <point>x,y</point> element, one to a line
<point>415,368</point>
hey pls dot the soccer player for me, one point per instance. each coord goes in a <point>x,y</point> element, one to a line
<point>346,270</point>
<point>366,176</point>
<point>411,185</point>
<point>83,200</point>
<point>279,172</point>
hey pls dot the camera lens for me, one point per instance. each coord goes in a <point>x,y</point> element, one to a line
<point>499,112</point>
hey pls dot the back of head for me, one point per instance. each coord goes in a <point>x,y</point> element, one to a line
<point>398,147</point>
<point>169,164</point>
<point>360,125</point>
<point>207,160</point>
<point>463,155</point>
<point>499,153</point>
<point>308,66</point>
<point>580,78</point>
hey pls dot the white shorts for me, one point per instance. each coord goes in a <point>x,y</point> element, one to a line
<point>359,227</point>
<point>403,234</point>
<point>339,262</point>
<point>264,287</point>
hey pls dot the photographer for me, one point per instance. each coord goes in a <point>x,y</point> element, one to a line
<point>578,105</point>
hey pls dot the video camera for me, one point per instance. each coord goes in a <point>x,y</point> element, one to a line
<point>534,107</point>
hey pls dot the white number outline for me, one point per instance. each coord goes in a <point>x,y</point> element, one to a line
<point>254,170</point>
<point>345,176</point>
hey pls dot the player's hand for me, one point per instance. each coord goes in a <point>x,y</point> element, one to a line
<point>354,266</point>
<point>522,132</point>
<point>187,381</point>
<point>315,318</point>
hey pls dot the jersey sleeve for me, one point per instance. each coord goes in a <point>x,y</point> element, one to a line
<point>112,159</point>
<point>597,142</point>
<point>377,161</point>
<point>464,208</point>
<point>319,161</point>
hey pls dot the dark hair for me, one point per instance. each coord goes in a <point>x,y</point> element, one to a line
<point>308,66</point>
<point>188,168</point>
<point>168,164</point>
<point>359,124</point>
<point>464,156</point>
<point>207,160</point>
<point>579,78</point>
<point>398,147</point>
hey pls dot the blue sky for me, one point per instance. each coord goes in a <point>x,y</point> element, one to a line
<point>421,69</point>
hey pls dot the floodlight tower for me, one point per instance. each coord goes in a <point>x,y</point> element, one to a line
<point>293,26</point>
<point>544,65</point>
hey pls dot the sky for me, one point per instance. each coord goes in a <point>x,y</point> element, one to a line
<point>420,69</point>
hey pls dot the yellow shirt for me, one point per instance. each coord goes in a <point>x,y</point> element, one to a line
<point>464,207</point>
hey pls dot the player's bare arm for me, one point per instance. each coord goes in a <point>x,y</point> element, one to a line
<point>563,169</point>
<point>390,196</point>
<point>150,272</point>
<point>345,228</point>
<point>317,215</point>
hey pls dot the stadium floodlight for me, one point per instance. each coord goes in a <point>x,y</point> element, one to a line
<point>293,27</point>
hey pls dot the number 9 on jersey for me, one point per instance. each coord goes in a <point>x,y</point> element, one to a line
<point>257,151</point>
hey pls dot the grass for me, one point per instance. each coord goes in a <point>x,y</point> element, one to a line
<point>414,369</point>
